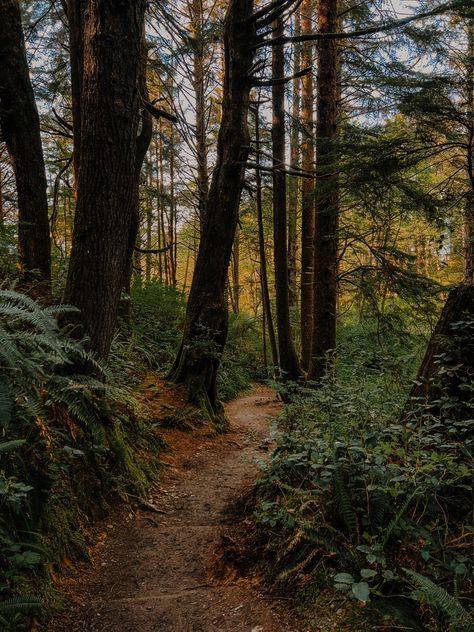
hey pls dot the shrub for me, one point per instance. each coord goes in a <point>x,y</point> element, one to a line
<point>68,443</point>
<point>353,487</point>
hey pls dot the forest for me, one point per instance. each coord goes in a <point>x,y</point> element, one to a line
<point>236,315</point>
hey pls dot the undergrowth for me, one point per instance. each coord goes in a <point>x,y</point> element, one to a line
<point>150,336</point>
<point>70,444</point>
<point>376,505</point>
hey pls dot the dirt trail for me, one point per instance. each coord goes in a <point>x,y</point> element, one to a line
<point>157,571</point>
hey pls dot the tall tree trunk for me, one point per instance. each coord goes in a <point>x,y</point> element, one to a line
<point>20,125</point>
<point>326,193</point>
<point>468,215</point>
<point>75,13</point>
<point>288,359</point>
<point>267,306</point>
<point>307,190</point>
<point>142,144</point>
<point>205,329</point>
<point>197,28</point>
<point>235,268</point>
<point>106,188</point>
<point>293,184</point>
<point>173,237</point>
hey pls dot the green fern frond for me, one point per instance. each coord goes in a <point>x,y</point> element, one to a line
<point>19,604</point>
<point>396,519</point>
<point>460,620</point>
<point>8,446</point>
<point>342,495</point>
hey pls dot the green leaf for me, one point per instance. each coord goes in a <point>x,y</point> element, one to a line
<point>368,573</point>
<point>343,578</point>
<point>361,591</point>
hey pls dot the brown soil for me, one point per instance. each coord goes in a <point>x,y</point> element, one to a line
<point>162,570</point>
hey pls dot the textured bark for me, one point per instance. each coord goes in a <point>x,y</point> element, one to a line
<point>428,384</point>
<point>288,359</point>
<point>205,329</point>
<point>326,194</point>
<point>468,239</point>
<point>235,269</point>
<point>267,306</point>
<point>468,215</point>
<point>76,17</point>
<point>20,126</point>
<point>106,187</point>
<point>307,190</point>
<point>199,95</point>
<point>142,144</point>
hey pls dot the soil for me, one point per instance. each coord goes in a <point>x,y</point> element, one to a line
<point>162,570</point>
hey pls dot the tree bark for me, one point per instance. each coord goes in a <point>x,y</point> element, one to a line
<point>288,359</point>
<point>267,306</point>
<point>20,125</point>
<point>430,383</point>
<point>199,95</point>
<point>76,17</point>
<point>205,329</point>
<point>106,187</point>
<point>326,194</point>
<point>293,184</point>
<point>307,191</point>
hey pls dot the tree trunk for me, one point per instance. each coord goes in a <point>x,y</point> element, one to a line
<point>75,13</point>
<point>205,329</point>
<point>307,191</point>
<point>430,383</point>
<point>235,268</point>
<point>326,194</point>
<point>197,25</point>
<point>267,306</point>
<point>468,215</point>
<point>293,184</point>
<point>20,127</point>
<point>107,182</point>
<point>288,360</point>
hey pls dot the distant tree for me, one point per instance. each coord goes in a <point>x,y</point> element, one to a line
<point>289,364</point>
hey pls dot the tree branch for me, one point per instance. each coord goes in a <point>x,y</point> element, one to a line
<point>158,113</point>
<point>377,28</point>
<point>282,80</point>
<point>154,251</point>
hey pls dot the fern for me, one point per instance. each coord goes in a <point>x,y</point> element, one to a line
<point>8,446</point>
<point>460,620</point>
<point>396,519</point>
<point>342,495</point>
<point>19,604</point>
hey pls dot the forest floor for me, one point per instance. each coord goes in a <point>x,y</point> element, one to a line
<point>166,570</point>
